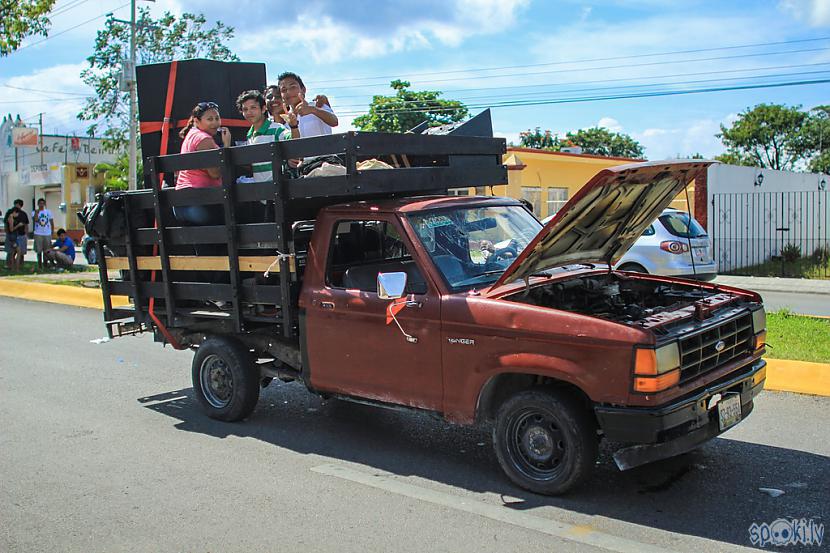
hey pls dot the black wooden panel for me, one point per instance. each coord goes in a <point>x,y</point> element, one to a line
<point>248,234</point>
<point>202,291</point>
<point>379,144</point>
<point>193,160</point>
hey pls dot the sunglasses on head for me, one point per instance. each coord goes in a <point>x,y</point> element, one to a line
<point>204,106</point>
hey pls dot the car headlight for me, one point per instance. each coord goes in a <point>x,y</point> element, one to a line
<point>656,369</point>
<point>759,320</point>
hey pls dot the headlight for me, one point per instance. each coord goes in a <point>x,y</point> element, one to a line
<point>659,367</point>
<point>759,320</point>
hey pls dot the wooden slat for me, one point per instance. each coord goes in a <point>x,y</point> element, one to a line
<point>259,263</point>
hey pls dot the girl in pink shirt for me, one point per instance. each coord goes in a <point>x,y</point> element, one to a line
<point>199,135</point>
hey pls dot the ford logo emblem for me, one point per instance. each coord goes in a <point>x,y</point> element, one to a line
<point>720,346</point>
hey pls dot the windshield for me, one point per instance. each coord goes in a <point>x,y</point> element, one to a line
<point>472,247</point>
<point>679,224</point>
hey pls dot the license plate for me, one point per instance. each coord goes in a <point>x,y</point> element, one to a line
<point>729,411</point>
<point>700,253</point>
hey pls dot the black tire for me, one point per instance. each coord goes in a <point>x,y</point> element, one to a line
<point>225,379</point>
<point>545,441</point>
<point>633,268</point>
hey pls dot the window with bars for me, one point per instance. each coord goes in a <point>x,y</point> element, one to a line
<point>557,197</point>
<point>533,194</point>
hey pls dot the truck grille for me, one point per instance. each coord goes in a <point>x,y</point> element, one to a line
<point>699,353</point>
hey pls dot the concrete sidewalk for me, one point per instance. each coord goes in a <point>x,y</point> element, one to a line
<point>771,284</point>
<point>782,375</point>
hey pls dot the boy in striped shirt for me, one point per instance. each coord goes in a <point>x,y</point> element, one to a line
<point>251,105</point>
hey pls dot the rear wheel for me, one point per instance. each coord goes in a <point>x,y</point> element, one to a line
<point>225,379</point>
<point>545,441</point>
<point>91,254</point>
<point>633,268</point>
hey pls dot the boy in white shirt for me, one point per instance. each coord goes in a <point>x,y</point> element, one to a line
<point>314,120</point>
<point>44,227</point>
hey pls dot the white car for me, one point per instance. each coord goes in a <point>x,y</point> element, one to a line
<point>668,246</point>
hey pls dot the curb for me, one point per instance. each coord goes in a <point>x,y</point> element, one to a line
<point>782,375</point>
<point>57,293</point>
<point>798,376</point>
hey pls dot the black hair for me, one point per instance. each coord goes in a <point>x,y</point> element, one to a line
<point>41,200</point>
<point>250,95</point>
<point>290,75</point>
<point>196,113</point>
<point>61,231</point>
<point>18,201</point>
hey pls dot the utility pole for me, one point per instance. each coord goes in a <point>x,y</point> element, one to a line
<point>133,162</point>
<point>40,137</point>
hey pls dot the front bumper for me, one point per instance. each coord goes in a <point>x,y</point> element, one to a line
<point>677,427</point>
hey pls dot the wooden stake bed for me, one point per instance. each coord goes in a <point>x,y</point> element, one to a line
<point>174,290</point>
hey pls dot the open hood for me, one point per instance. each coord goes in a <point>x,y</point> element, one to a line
<point>605,217</point>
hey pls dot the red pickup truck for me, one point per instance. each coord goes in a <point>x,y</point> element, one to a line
<point>470,308</point>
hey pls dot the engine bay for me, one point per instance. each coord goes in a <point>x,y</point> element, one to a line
<point>641,303</point>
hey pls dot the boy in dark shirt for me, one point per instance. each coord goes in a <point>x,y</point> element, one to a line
<point>16,223</point>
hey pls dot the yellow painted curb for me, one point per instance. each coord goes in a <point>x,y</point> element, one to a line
<point>56,293</point>
<point>798,376</point>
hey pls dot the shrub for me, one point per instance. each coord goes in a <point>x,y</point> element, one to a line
<point>821,255</point>
<point>791,252</point>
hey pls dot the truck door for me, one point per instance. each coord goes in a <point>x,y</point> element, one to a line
<point>351,349</point>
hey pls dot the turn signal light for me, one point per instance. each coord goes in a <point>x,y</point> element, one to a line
<point>673,246</point>
<point>760,340</point>
<point>653,384</point>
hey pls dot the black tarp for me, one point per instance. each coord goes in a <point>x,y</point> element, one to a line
<point>197,80</point>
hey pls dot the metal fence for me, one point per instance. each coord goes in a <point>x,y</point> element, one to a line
<point>772,233</point>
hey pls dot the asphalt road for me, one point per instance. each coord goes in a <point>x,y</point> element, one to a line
<point>805,304</point>
<point>103,448</point>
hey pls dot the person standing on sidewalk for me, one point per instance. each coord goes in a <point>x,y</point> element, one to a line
<point>44,228</point>
<point>17,228</point>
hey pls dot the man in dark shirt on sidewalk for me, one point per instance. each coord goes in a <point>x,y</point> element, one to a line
<point>16,223</point>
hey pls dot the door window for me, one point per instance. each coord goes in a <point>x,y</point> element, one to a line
<point>362,249</point>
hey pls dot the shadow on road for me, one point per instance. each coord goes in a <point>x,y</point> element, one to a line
<point>711,493</point>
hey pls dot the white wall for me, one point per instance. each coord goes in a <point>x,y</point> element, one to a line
<point>749,206</point>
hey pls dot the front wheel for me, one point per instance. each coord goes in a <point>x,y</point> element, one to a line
<point>225,379</point>
<point>545,441</point>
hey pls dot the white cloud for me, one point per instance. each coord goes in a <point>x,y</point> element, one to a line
<point>696,137</point>
<point>511,137</point>
<point>332,39</point>
<point>56,91</point>
<point>610,123</point>
<point>815,13</point>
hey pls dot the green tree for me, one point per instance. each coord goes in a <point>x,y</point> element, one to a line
<point>408,109</point>
<point>603,142</point>
<point>20,19</point>
<point>768,135</point>
<point>817,138</point>
<point>537,139</point>
<point>157,40</point>
<point>115,173</point>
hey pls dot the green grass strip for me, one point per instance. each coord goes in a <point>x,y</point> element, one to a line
<point>797,337</point>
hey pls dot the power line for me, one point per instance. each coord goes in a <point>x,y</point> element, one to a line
<point>53,35</point>
<point>801,74</point>
<point>607,67</point>
<point>580,99</point>
<point>67,7</point>
<point>589,60</point>
<point>622,79</point>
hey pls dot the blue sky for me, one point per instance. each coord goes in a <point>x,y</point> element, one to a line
<point>489,52</point>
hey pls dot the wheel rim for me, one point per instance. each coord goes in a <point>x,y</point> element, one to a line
<point>537,446</point>
<point>217,381</point>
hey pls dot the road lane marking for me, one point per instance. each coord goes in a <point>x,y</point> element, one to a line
<point>579,533</point>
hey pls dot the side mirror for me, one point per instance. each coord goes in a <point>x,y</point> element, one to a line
<point>391,285</point>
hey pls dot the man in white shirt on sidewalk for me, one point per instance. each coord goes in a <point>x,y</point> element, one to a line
<point>44,227</point>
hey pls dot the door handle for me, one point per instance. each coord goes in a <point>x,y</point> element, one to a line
<point>412,303</point>
<point>326,305</point>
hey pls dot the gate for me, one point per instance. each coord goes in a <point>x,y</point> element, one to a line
<point>772,233</point>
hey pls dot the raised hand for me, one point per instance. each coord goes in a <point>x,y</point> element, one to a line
<point>302,107</point>
<point>321,100</point>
